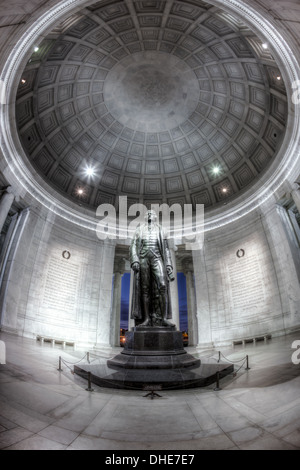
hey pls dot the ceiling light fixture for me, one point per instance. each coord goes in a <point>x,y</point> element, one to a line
<point>216,170</point>
<point>90,171</point>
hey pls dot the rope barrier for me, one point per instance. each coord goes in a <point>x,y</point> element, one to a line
<point>65,362</point>
<point>85,375</point>
<point>67,366</point>
<point>112,383</point>
<point>241,367</point>
<point>128,387</point>
<point>228,360</point>
<point>73,363</point>
<point>102,357</point>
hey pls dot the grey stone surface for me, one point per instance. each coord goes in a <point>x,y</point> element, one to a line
<point>233,101</point>
<point>252,411</point>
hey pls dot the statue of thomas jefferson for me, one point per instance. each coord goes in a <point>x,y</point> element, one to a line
<point>152,265</point>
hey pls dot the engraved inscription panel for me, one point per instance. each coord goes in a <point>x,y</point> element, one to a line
<point>61,287</point>
<point>247,286</point>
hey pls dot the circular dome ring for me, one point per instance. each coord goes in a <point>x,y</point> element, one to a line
<point>32,182</point>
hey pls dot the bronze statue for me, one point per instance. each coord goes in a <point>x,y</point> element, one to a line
<point>152,265</point>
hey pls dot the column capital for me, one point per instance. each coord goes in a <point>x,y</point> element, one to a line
<point>296,185</point>
<point>120,265</point>
<point>172,245</point>
<point>9,190</point>
<point>187,266</point>
<point>12,192</point>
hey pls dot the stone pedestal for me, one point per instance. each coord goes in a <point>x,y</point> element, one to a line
<point>153,359</point>
<point>153,348</point>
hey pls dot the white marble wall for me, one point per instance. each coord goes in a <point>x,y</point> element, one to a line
<point>250,296</point>
<point>236,298</point>
<point>286,255</point>
<point>45,294</point>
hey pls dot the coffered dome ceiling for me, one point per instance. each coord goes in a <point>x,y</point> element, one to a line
<point>153,96</point>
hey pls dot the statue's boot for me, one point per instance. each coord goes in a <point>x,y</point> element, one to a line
<point>166,322</point>
<point>147,320</point>
<point>163,308</point>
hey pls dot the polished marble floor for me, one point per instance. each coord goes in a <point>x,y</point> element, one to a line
<point>42,408</point>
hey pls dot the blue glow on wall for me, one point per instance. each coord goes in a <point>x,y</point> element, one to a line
<point>182,299</point>
<point>125,290</point>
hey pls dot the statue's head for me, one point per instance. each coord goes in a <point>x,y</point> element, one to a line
<point>150,216</point>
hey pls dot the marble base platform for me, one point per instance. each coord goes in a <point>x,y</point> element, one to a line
<point>153,359</point>
<point>158,379</point>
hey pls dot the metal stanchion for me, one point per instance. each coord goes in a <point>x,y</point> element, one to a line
<point>88,357</point>
<point>59,364</point>
<point>89,389</point>
<point>219,356</point>
<point>217,387</point>
<point>247,363</point>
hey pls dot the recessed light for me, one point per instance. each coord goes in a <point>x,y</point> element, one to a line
<point>90,171</point>
<point>265,45</point>
<point>36,49</point>
<point>80,191</point>
<point>216,170</point>
<point>23,81</point>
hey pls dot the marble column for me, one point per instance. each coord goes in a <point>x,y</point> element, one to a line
<point>105,300</point>
<point>5,204</point>
<point>191,306</point>
<point>296,198</point>
<point>12,278</point>
<point>116,310</point>
<point>202,300</point>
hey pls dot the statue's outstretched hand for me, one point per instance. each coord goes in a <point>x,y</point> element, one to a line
<point>136,267</point>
